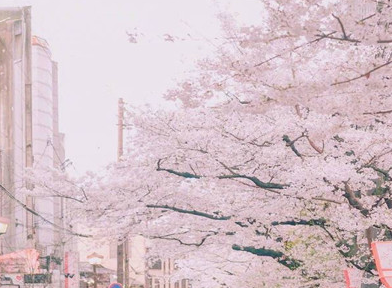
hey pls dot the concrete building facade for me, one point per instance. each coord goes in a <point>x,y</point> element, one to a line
<point>30,137</point>
<point>15,123</point>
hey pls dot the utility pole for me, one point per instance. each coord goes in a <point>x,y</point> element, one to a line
<point>126,256</point>
<point>122,247</point>
<point>31,237</point>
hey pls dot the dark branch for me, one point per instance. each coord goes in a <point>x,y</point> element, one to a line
<point>341,26</point>
<point>338,38</point>
<point>295,48</point>
<point>378,112</point>
<point>379,170</point>
<point>181,174</point>
<point>353,200</point>
<point>61,195</point>
<point>185,243</point>
<point>290,144</point>
<point>255,180</point>
<point>290,263</point>
<point>313,222</point>
<point>383,41</point>
<point>362,75</point>
<point>191,212</point>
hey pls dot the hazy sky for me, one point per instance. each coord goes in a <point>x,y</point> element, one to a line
<point>97,63</point>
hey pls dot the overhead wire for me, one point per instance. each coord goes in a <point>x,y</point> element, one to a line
<point>39,215</point>
<point>7,192</point>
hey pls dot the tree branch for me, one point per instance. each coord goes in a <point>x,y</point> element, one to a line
<point>58,194</point>
<point>327,36</point>
<point>181,174</point>
<point>295,48</point>
<point>313,222</point>
<point>191,212</point>
<point>353,200</point>
<point>255,180</point>
<point>362,75</point>
<point>341,26</point>
<point>378,112</point>
<point>290,263</point>
<point>311,143</point>
<point>290,144</point>
<point>184,243</point>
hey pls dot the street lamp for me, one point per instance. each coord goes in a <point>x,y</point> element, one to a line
<point>3,225</point>
<point>382,253</point>
<point>95,259</point>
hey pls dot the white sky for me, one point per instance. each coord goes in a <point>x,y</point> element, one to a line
<point>97,64</point>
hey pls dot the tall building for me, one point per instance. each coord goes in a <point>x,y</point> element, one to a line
<point>15,124</point>
<point>48,151</point>
<point>30,137</point>
<point>44,150</point>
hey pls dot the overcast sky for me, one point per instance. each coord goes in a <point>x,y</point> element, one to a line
<point>97,63</point>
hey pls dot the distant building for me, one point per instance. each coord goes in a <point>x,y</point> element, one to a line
<point>159,275</point>
<point>142,273</point>
<point>30,137</point>
<point>15,123</point>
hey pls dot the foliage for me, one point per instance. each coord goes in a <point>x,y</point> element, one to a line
<point>275,172</point>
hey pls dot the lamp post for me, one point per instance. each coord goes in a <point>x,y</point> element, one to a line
<point>95,259</point>
<point>3,225</point>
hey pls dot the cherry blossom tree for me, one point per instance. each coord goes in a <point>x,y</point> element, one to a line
<point>276,170</point>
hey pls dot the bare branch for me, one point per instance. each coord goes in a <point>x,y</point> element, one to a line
<point>353,200</point>
<point>338,38</point>
<point>362,75</point>
<point>295,48</point>
<point>181,174</point>
<point>319,150</point>
<point>290,144</point>
<point>290,263</point>
<point>185,243</point>
<point>341,26</point>
<point>378,112</point>
<point>191,212</point>
<point>255,180</point>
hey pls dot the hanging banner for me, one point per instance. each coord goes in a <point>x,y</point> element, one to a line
<point>71,269</point>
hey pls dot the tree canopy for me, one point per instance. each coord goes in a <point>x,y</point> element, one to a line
<point>275,171</point>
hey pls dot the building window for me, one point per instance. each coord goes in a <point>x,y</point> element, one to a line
<point>157,265</point>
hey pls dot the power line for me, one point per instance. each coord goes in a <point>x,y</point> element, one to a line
<point>9,194</point>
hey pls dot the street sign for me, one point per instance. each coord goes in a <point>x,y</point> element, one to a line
<point>115,285</point>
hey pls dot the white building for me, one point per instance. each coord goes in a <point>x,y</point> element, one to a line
<point>48,151</point>
<point>29,136</point>
<point>15,124</point>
